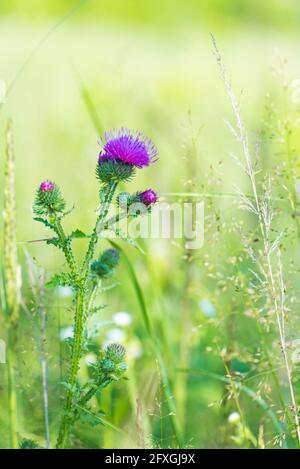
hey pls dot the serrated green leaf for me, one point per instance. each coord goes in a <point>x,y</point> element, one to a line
<point>60,280</point>
<point>78,234</point>
<point>96,309</point>
<point>45,222</point>
<point>29,444</point>
<point>55,242</point>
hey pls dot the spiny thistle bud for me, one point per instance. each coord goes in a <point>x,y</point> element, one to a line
<point>107,365</point>
<point>122,151</point>
<point>148,198</point>
<point>48,199</point>
<point>115,352</point>
<point>141,202</point>
<point>105,266</point>
<point>112,362</point>
<point>110,257</point>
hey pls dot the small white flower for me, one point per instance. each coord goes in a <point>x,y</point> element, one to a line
<point>64,292</point>
<point>66,333</point>
<point>208,308</point>
<point>115,335</point>
<point>122,319</point>
<point>234,417</point>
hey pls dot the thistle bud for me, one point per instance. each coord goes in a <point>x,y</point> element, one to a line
<point>105,266</point>
<point>110,257</point>
<point>115,352</point>
<point>108,366</point>
<point>148,197</point>
<point>48,199</point>
<point>112,363</point>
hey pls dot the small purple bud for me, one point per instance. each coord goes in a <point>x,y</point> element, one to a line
<point>148,197</point>
<point>46,186</point>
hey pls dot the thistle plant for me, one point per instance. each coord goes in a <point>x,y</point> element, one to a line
<point>122,153</point>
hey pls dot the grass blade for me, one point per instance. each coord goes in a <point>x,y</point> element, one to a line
<point>11,280</point>
<point>155,346</point>
<point>245,389</point>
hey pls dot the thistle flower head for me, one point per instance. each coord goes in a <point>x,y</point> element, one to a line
<point>48,199</point>
<point>129,147</point>
<point>148,197</point>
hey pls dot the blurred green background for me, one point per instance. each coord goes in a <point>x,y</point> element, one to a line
<point>147,65</point>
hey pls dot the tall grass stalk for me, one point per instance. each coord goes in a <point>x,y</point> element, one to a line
<point>271,277</point>
<point>36,277</point>
<point>156,347</point>
<point>188,261</point>
<point>11,280</point>
<point>280,428</point>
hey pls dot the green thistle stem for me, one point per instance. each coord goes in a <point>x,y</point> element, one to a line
<point>65,243</point>
<point>109,192</point>
<point>67,419</point>
<point>12,396</point>
<point>81,312</point>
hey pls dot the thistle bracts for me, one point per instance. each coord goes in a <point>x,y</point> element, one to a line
<point>48,199</point>
<point>112,365</point>
<point>114,170</point>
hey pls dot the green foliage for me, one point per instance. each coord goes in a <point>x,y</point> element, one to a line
<point>112,170</point>
<point>29,444</point>
<point>61,280</point>
<point>208,310</point>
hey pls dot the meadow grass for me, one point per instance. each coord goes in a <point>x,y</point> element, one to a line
<point>212,343</point>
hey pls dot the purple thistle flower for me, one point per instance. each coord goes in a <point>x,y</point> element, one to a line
<point>129,147</point>
<point>46,186</point>
<point>148,197</point>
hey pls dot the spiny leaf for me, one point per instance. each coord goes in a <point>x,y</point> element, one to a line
<point>45,222</point>
<point>91,418</point>
<point>55,242</point>
<point>96,309</point>
<point>60,280</point>
<point>78,234</point>
<point>29,444</point>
